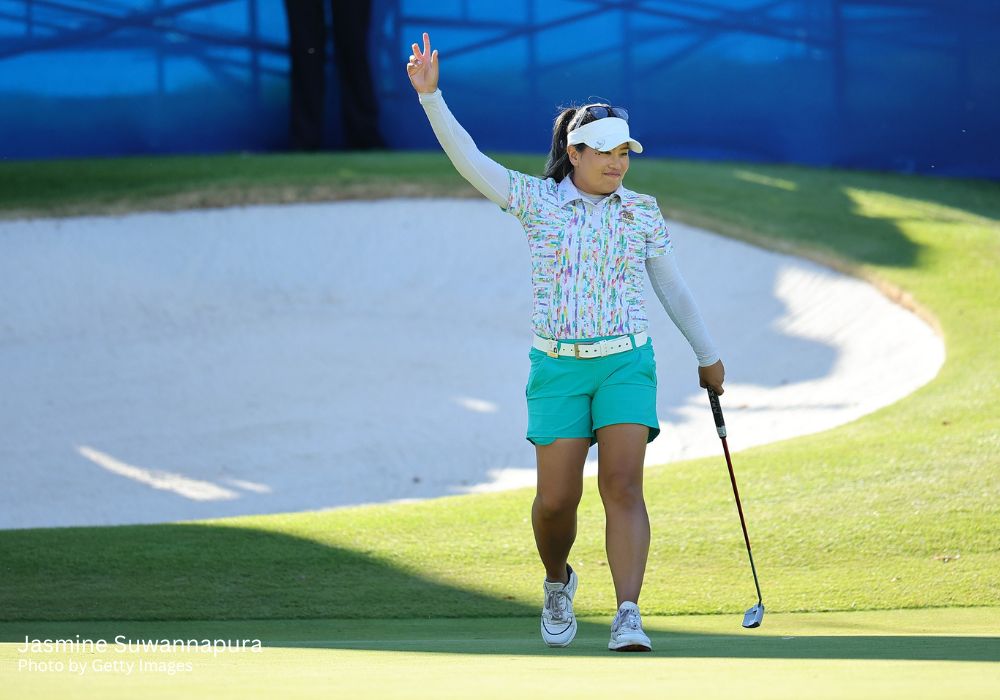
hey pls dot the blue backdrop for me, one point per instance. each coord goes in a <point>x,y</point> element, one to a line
<point>908,85</point>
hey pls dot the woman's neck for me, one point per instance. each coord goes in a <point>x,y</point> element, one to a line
<point>582,191</point>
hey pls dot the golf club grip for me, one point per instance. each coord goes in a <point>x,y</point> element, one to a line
<point>720,422</point>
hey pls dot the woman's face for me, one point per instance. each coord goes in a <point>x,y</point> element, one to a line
<point>598,172</point>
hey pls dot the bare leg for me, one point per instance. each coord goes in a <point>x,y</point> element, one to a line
<point>553,514</point>
<point>621,451</point>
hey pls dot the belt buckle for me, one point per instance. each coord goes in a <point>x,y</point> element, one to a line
<point>576,350</point>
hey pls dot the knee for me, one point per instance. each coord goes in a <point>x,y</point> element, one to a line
<point>552,506</point>
<point>621,491</point>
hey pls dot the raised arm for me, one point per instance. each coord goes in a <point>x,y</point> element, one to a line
<point>486,175</point>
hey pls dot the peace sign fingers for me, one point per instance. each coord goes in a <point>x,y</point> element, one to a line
<point>422,68</point>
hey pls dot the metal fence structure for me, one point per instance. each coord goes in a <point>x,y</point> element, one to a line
<point>906,85</point>
<point>124,77</point>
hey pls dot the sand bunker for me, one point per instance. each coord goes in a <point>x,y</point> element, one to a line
<point>168,366</point>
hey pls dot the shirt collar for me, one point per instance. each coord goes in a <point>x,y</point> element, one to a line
<point>568,192</point>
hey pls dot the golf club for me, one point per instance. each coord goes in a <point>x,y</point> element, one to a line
<point>753,616</point>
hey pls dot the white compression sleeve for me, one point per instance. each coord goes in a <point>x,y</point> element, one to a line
<point>678,302</point>
<point>486,175</point>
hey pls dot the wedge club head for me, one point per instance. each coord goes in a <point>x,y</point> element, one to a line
<point>754,616</point>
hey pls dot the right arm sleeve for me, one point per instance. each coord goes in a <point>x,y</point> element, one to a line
<point>486,175</point>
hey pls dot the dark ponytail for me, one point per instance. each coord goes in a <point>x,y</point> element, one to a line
<point>558,165</point>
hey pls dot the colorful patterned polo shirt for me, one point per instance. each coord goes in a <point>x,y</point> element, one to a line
<point>587,261</point>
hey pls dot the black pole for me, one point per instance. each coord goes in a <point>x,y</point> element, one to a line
<point>358,105</point>
<point>307,57</point>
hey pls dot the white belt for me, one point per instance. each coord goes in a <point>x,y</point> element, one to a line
<point>602,348</point>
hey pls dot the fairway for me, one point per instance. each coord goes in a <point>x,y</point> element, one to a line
<point>874,654</point>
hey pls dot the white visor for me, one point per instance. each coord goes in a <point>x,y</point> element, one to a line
<point>604,135</point>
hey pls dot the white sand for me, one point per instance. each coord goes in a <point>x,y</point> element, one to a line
<point>167,366</point>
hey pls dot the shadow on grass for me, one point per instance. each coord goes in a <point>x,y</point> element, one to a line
<point>859,216</point>
<point>511,637</point>
<point>199,571</point>
<point>592,639</point>
<point>205,581</point>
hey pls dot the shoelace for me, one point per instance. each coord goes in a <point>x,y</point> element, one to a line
<point>628,618</point>
<point>557,603</point>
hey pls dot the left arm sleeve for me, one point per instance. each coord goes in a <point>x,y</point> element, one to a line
<point>677,300</point>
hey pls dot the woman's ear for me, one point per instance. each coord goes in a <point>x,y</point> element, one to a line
<point>574,155</point>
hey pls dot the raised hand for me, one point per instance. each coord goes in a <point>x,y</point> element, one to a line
<point>423,67</point>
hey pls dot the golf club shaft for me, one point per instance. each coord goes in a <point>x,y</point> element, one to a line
<point>720,425</point>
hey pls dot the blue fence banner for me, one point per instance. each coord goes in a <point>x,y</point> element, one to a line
<point>903,85</point>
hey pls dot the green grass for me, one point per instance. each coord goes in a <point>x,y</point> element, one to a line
<point>913,654</point>
<point>896,510</point>
<point>87,186</point>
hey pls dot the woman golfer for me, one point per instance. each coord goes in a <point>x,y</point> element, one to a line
<point>593,371</point>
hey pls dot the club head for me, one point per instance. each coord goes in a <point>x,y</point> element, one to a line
<point>754,616</point>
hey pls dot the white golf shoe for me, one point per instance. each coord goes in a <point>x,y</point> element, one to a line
<point>626,630</point>
<point>558,620</point>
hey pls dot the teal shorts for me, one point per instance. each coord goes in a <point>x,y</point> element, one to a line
<point>571,397</point>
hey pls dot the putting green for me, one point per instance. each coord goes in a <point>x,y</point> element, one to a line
<point>932,653</point>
